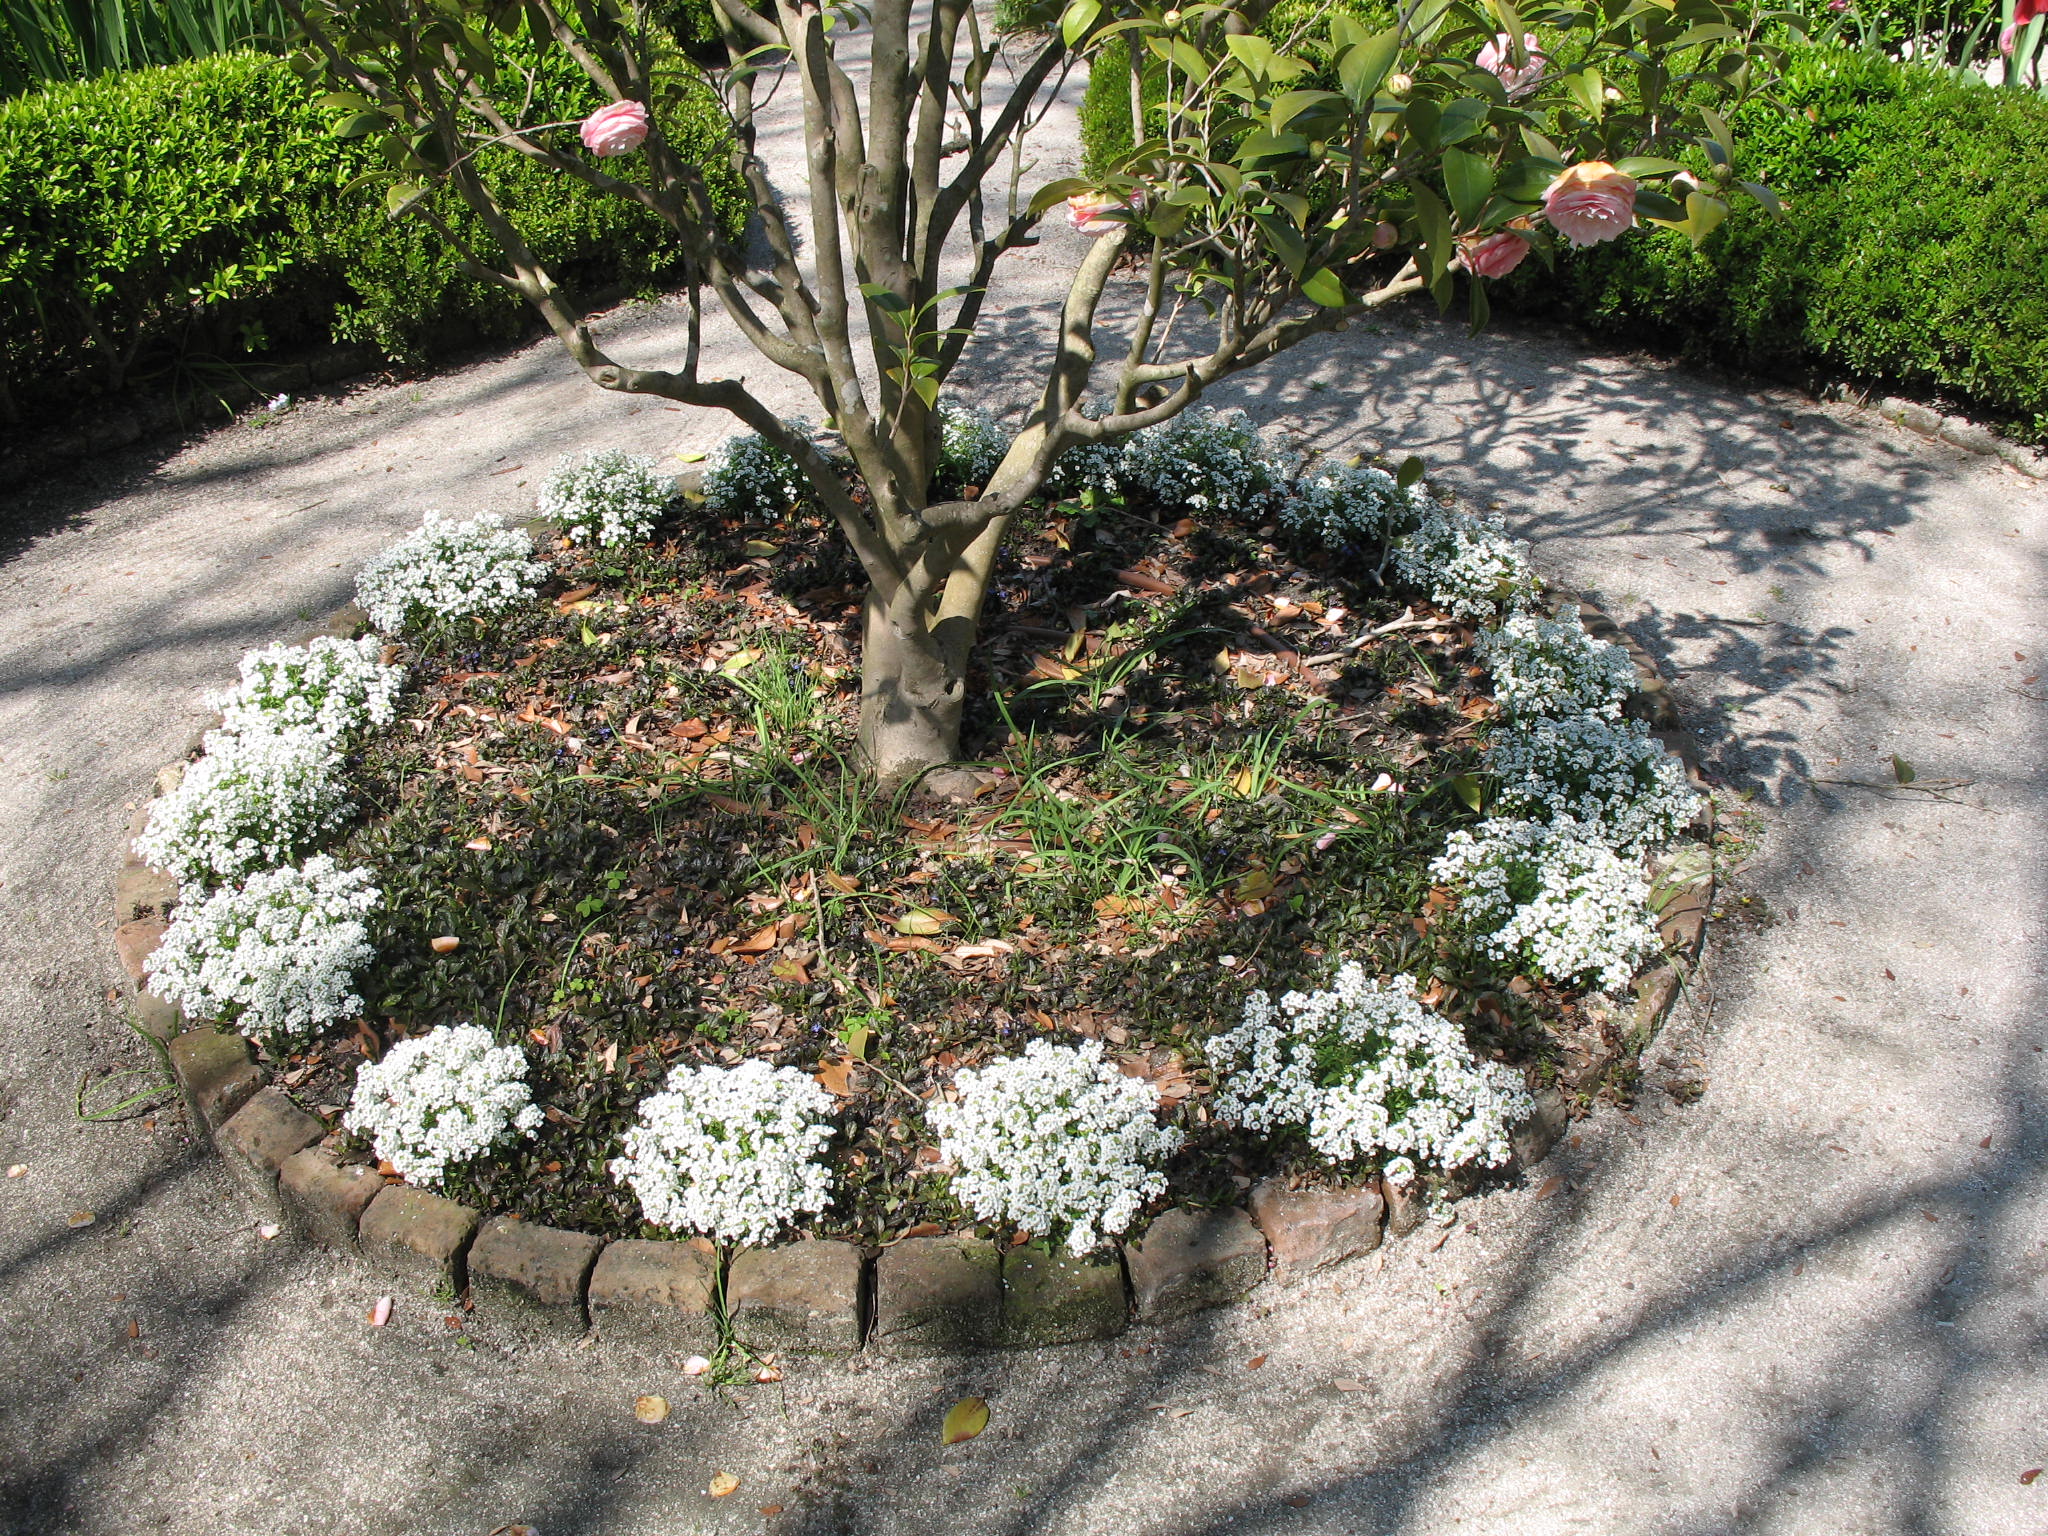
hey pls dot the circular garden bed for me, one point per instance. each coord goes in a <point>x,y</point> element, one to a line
<point>1297,841</point>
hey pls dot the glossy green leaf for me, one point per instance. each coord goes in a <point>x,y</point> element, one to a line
<point>1077,19</point>
<point>1469,180</point>
<point>1056,192</point>
<point>1323,287</point>
<point>1363,67</point>
<point>1461,119</point>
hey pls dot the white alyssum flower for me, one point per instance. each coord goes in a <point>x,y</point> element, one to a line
<point>1466,562</point>
<point>1364,1069</point>
<point>1553,897</point>
<point>335,687</point>
<point>275,958</point>
<point>476,568</point>
<point>1607,775</point>
<point>1203,459</point>
<point>754,480</point>
<point>606,497</point>
<point>441,1099</point>
<point>971,444</point>
<point>1354,507</point>
<point>1551,668</point>
<point>253,802</point>
<point>730,1152</point>
<point>1055,1138</point>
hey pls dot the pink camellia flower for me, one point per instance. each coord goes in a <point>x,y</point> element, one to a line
<point>1498,58</point>
<point>1591,203</point>
<point>618,129</point>
<point>1492,255</point>
<point>1086,210</point>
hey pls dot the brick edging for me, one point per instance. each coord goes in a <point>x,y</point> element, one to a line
<point>917,1296</point>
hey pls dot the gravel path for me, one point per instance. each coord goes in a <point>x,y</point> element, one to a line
<point>1810,1301</point>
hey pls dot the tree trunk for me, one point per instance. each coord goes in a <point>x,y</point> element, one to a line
<point>912,687</point>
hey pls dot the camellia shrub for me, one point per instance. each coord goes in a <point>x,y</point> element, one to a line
<point>1285,185</point>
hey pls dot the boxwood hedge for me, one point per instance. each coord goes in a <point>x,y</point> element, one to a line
<point>164,226</point>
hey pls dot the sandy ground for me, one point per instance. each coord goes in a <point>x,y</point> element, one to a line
<point>1811,1301</point>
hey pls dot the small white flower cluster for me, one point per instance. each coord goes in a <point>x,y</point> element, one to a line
<point>1552,669</point>
<point>1553,897</point>
<point>1203,458</point>
<point>441,1099</point>
<point>276,958</point>
<point>1351,506</point>
<point>752,479</point>
<point>476,568</point>
<point>1467,563</point>
<point>971,444</point>
<point>334,687</point>
<point>606,497</point>
<point>1363,1069</point>
<point>1055,1138</point>
<point>1607,775</point>
<point>730,1152</point>
<point>251,803</point>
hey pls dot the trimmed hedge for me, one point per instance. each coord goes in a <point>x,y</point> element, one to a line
<point>1914,254</point>
<point>165,226</point>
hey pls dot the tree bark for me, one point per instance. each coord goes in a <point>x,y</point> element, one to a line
<point>912,686</point>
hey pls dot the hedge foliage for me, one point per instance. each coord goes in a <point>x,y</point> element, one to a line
<point>166,225</point>
<point>1914,252</point>
<point>1912,255</point>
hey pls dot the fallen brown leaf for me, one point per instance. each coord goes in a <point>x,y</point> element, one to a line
<point>1549,1187</point>
<point>1255,1362</point>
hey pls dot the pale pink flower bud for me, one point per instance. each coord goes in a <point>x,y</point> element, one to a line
<point>1400,85</point>
<point>1086,210</point>
<point>1498,58</point>
<point>1591,203</point>
<point>1494,256</point>
<point>618,129</point>
<point>1384,235</point>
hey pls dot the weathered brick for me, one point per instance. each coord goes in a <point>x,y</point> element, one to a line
<point>804,1296</point>
<point>216,1073</point>
<point>530,1276</point>
<point>1540,1129</point>
<point>1055,1298</point>
<point>256,1139</point>
<point>418,1239</point>
<point>1405,1208</point>
<point>936,1296</point>
<point>135,942</point>
<point>655,1295</point>
<point>1308,1229</point>
<point>157,1017</point>
<point>140,892</point>
<point>325,1199</point>
<point>1189,1260</point>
